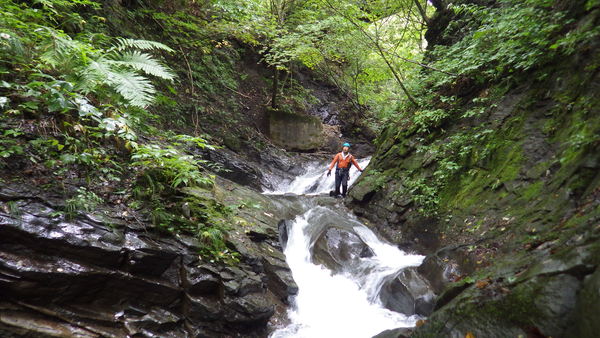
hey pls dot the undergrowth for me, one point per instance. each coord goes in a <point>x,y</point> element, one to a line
<point>77,104</point>
<point>493,48</point>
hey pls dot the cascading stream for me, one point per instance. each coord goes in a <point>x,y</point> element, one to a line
<point>344,303</point>
<point>314,181</point>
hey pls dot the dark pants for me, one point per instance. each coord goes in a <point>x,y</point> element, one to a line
<point>341,178</point>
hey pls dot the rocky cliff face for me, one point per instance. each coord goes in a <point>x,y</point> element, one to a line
<point>111,274</point>
<point>520,219</point>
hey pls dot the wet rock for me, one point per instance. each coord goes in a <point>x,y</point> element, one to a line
<point>555,304</point>
<point>237,169</point>
<point>279,278</point>
<point>396,297</point>
<point>588,302</point>
<point>200,283</point>
<point>83,278</point>
<point>395,333</point>
<point>17,323</point>
<point>328,113</point>
<point>540,306</point>
<point>252,310</point>
<point>338,249</point>
<point>408,293</point>
<point>439,273</point>
<point>284,227</point>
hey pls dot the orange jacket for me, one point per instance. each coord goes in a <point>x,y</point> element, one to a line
<point>344,163</point>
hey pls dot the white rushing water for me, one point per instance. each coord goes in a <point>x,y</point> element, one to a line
<point>314,180</point>
<point>344,304</point>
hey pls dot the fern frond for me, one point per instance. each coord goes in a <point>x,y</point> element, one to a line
<point>135,88</point>
<point>11,43</point>
<point>123,44</point>
<point>95,73</point>
<point>61,50</point>
<point>145,63</point>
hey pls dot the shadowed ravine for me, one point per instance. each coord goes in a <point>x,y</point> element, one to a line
<point>341,268</point>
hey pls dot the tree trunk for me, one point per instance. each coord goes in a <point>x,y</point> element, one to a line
<point>275,89</point>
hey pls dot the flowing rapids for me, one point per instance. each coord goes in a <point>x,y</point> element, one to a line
<point>347,303</point>
<point>314,181</point>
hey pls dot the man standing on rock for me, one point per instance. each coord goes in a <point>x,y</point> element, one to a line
<point>344,161</point>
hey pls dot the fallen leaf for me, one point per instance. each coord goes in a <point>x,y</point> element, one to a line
<point>469,335</point>
<point>482,283</point>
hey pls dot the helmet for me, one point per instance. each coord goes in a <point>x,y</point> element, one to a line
<point>346,144</point>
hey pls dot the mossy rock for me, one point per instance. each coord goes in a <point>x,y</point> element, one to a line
<point>587,325</point>
<point>494,309</point>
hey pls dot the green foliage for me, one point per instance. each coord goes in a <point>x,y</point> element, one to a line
<point>424,195</point>
<point>84,200</point>
<point>45,51</point>
<point>429,119</point>
<point>514,37</point>
<point>202,217</point>
<point>176,168</point>
<point>8,145</point>
<point>122,71</point>
<point>124,44</point>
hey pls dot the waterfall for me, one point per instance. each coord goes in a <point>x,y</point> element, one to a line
<point>314,180</point>
<point>344,303</point>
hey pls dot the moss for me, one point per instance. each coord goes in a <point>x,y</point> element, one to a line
<point>510,168</point>
<point>472,189</point>
<point>503,164</point>
<point>532,191</point>
<point>519,306</point>
<point>373,181</point>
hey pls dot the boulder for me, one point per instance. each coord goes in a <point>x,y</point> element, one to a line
<point>338,249</point>
<point>235,168</point>
<point>408,293</point>
<point>588,303</point>
<point>542,306</point>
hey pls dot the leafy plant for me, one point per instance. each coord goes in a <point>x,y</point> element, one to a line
<point>122,68</point>
<point>9,146</point>
<point>84,200</point>
<point>178,169</point>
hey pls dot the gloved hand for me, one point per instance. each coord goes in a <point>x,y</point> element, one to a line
<point>328,173</point>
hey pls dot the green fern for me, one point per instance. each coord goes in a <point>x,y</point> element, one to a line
<point>93,75</point>
<point>135,88</point>
<point>121,71</point>
<point>123,44</point>
<point>63,52</point>
<point>11,44</point>
<point>145,63</point>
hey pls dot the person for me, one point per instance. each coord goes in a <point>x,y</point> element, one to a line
<point>344,161</point>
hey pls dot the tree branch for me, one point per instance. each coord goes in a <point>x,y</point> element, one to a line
<point>420,64</point>
<point>422,11</point>
<point>380,51</point>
